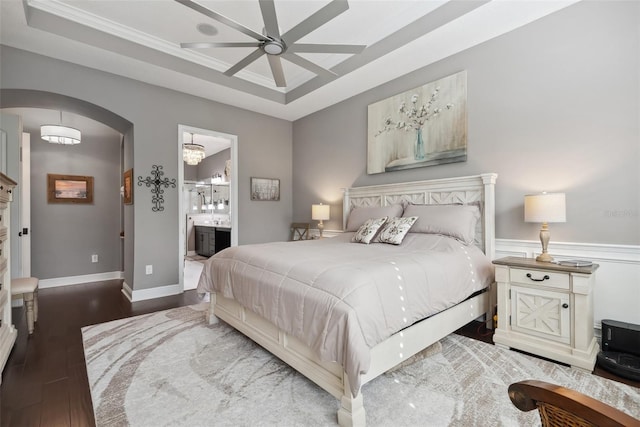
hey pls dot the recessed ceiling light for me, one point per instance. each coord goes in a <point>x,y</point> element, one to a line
<point>207,29</point>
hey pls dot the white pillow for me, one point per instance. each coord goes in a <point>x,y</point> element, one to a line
<point>358,216</point>
<point>395,229</point>
<point>368,230</point>
<point>457,221</point>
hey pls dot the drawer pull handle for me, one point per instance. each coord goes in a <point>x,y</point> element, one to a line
<point>546,277</point>
<point>565,305</point>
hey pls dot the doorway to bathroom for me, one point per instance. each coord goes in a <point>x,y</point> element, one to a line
<point>208,198</point>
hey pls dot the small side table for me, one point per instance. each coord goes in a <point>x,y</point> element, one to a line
<point>547,309</point>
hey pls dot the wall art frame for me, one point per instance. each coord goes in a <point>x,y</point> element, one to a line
<point>127,184</point>
<point>74,189</point>
<point>265,189</point>
<point>424,126</point>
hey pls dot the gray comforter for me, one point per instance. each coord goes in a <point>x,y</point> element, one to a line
<point>343,298</point>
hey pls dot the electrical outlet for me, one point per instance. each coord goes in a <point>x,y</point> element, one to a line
<point>94,258</point>
<point>149,269</point>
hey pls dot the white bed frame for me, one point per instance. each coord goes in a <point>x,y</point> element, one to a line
<point>478,189</point>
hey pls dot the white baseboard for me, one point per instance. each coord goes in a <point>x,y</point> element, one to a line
<point>17,301</point>
<point>151,293</point>
<point>132,295</point>
<point>617,289</point>
<point>76,280</point>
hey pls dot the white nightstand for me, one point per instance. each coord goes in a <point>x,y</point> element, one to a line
<point>547,309</point>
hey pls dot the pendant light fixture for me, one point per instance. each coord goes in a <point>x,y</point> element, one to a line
<point>192,153</point>
<point>59,134</point>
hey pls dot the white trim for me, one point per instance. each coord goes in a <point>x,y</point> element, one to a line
<point>82,17</point>
<point>25,204</point>
<point>76,280</point>
<point>151,293</point>
<point>233,190</point>
<point>617,289</point>
<point>126,290</point>
<point>565,250</point>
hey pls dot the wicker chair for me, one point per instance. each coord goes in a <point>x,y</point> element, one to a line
<point>560,407</point>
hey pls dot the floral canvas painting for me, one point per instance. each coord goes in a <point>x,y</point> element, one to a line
<point>425,126</point>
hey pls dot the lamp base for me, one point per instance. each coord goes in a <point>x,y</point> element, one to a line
<point>544,257</point>
<point>544,239</point>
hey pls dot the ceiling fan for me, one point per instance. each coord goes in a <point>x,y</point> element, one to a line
<point>276,45</point>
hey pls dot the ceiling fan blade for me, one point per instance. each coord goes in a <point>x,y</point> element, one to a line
<point>244,62</point>
<point>326,48</point>
<point>304,63</point>
<point>221,18</point>
<point>276,69</point>
<point>321,17</point>
<point>205,45</point>
<point>269,17</point>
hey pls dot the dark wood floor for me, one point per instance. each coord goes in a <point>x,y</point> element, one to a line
<point>45,380</point>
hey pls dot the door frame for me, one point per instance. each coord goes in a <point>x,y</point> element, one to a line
<point>25,203</point>
<point>233,190</point>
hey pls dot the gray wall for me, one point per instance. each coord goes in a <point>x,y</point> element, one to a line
<point>264,144</point>
<point>190,172</point>
<point>213,164</point>
<point>552,106</point>
<point>64,236</point>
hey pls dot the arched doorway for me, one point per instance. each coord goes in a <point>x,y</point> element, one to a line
<point>34,99</point>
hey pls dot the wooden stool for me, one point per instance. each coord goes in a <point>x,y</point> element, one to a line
<point>28,288</point>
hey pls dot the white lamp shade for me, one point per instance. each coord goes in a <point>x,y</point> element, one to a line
<point>545,207</point>
<point>57,134</point>
<point>320,212</point>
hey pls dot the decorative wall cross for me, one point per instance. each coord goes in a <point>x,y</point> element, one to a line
<point>157,183</point>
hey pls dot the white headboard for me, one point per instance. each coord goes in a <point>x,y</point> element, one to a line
<point>476,189</point>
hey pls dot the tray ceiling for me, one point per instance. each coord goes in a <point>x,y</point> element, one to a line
<point>142,40</point>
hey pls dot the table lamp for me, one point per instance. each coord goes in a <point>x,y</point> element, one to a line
<point>320,213</point>
<point>545,208</point>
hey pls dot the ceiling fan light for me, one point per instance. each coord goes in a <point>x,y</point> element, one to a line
<point>192,154</point>
<point>273,47</point>
<point>57,134</point>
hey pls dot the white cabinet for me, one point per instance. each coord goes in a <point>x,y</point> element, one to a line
<point>7,331</point>
<point>546,309</point>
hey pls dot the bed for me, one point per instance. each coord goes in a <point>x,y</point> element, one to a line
<point>343,313</point>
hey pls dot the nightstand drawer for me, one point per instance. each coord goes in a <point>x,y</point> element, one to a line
<point>547,278</point>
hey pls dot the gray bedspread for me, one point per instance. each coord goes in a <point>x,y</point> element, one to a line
<point>343,298</point>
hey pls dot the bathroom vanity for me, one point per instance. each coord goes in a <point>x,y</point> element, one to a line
<point>212,239</point>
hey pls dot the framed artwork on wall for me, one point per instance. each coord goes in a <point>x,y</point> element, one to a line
<point>128,187</point>
<point>265,189</point>
<point>425,126</point>
<point>69,189</point>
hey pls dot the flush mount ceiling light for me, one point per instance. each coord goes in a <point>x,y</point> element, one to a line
<point>276,45</point>
<point>192,153</point>
<point>59,134</point>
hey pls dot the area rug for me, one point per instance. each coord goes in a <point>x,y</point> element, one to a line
<point>173,369</point>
